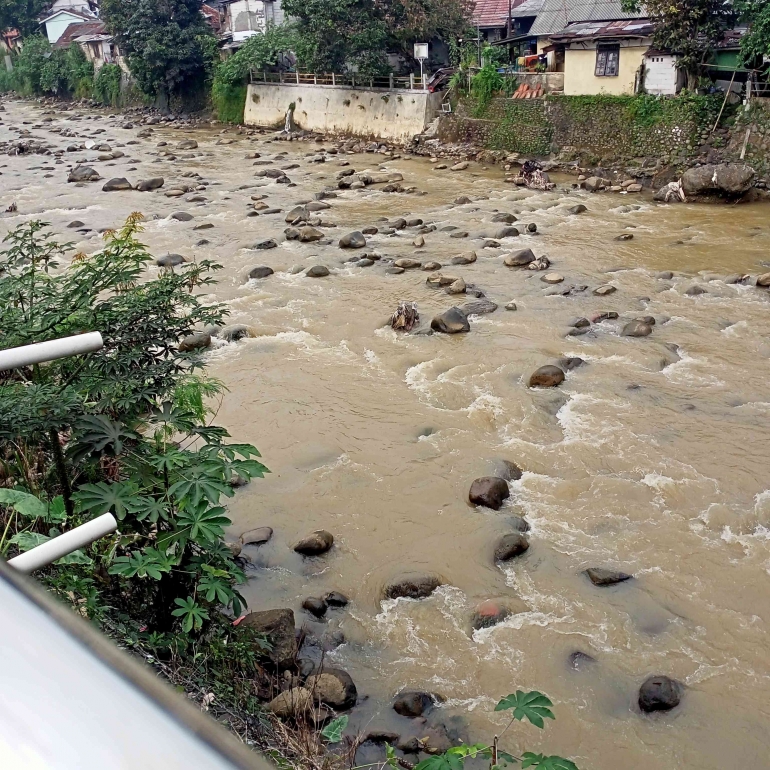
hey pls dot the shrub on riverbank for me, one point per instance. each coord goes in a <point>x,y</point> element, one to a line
<point>106,88</point>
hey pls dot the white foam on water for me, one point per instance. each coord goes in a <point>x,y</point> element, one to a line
<point>485,403</point>
<point>688,371</point>
<point>579,425</point>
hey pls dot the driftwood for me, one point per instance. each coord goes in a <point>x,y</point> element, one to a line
<point>405,317</point>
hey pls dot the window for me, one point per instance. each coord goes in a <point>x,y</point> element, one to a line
<point>607,61</point>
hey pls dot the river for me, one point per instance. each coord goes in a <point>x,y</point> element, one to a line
<point>644,460</point>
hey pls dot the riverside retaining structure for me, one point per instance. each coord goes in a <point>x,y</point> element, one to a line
<point>395,114</point>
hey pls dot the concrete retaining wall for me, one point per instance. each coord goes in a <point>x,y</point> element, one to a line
<point>365,112</point>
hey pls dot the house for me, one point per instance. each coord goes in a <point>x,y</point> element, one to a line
<point>56,22</point>
<point>97,44</point>
<point>490,17</point>
<point>241,19</point>
<point>599,47</point>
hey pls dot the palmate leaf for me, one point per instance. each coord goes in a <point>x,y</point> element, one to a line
<point>149,508</point>
<point>97,434</point>
<point>333,731</point>
<point>541,762</point>
<point>192,614</point>
<point>200,482</point>
<point>215,589</point>
<point>203,524</point>
<point>533,706</point>
<point>102,497</point>
<point>148,563</point>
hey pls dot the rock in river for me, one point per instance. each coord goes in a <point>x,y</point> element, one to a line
<point>145,185</point>
<point>278,628</point>
<point>452,321</point>
<point>257,536</point>
<point>182,216</point>
<point>519,258</point>
<point>314,606</point>
<point>546,377</point>
<point>636,329</point>
<point>511,545</point>
<point>317,271</point>
<point>262,271</point>
<point>729,179</point>
<point>118,183</point>
<point>333,687</point>
<point>659,693</point>
<point>488,614</point>
<point>600,576</point>
<point>315,544</point>
<point>354,240</point>
<point>195,341</point>
<point>489,491</point>
<point>413,704</point>
<point>478,307</point>
<point>170,260</point>
<point>83,174</point>
<point>419,587</point>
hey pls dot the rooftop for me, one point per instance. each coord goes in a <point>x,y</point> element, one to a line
<point>555,15</point>
<point>81,29</point>
<point>591,30</point>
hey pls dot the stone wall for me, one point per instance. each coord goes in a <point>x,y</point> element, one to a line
<point>367,112</point>
<point>610,128</point>
<point>757,122</point>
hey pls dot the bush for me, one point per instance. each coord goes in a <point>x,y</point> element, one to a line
<point>54,77</point>
<point>107,82</point>
<point>485,84</point>
<point>229,101</point>
<point>124,430</point>
<point>30,63</point>
<point>80,73</point>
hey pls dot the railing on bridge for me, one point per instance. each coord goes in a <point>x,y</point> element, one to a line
<point>390,82</point>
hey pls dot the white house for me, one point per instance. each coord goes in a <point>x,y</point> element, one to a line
<point>57,21</point>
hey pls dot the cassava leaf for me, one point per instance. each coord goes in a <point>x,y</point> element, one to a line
<point>542,762</point>
<point>533,706</point>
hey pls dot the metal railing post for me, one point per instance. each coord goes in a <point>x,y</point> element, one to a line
<point>297,77</point>
<point>391,80</point>
<point>334,83</point>
<point>411,81</point>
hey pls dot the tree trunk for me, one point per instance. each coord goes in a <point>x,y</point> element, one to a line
<point>61,471</point>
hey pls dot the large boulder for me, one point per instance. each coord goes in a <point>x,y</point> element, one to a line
<point>546,377</point>
<point>146,185</point>
<point>195,341</point>
<point>600,576</point>
<point>261,271</point>
<point>489,491</point>
<point>727,179</point>
<point>413,704</point>
<point>636,328</point>
<point>293,703</point>
<point>277,626</point>
<point>511,545</point>
<point>519,258</point>
<point>118,183</point>
<point>83,174</point>
<point>452,321</point>
<point>310,234</point>
<point>659,693</point>
<point>419,587</point>
<point>316,543</point>
<point>333,687</point>
<point>354,240</point>
<point>478,307</point>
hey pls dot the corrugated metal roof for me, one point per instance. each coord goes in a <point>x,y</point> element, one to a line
<point>527,8</point>
<point>588,30</point>
<point>80,29</point>
<point>557,14</point>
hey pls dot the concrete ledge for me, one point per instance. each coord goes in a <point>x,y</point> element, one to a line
<point>367,112</point>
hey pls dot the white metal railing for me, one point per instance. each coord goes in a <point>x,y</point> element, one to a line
<point>391,82</point>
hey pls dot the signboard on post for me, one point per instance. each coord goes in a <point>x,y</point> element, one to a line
<point>421,54</point>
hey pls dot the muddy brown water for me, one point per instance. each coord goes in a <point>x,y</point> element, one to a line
<point>639,461</point>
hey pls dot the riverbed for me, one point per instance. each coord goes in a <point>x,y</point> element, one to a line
<point>652,457</point>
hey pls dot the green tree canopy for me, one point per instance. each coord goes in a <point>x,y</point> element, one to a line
<point>165,41</point>
<point>756,43</point>
<point>22,14</point>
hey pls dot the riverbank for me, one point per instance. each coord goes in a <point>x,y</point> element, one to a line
<point>647,459</point>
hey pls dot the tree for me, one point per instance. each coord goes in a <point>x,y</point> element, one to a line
<point>333,34</point>
<point>756,42</point>
<point>164,42</point>
<point>124,430</point>
<point>22,14</point>
<point>690,28</point>
<point>413,21</point>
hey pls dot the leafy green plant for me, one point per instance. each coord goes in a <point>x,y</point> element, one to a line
<point>106,88</point>
<point>333,731</point>
<point>484,85</point>
<point>532,706</point>
<point>129,427</point>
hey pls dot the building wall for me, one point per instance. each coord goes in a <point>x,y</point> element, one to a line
<point>342,110</point>
<point>55,28</point>
<point>75,5</point>
<point>580,64</point>
<point>661,75</point>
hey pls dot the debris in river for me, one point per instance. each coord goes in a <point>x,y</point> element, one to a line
<point>405,317</point>
<point>672,192</point>
<point>12,209</point>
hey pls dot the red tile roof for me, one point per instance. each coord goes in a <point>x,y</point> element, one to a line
<point>492,13</point>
